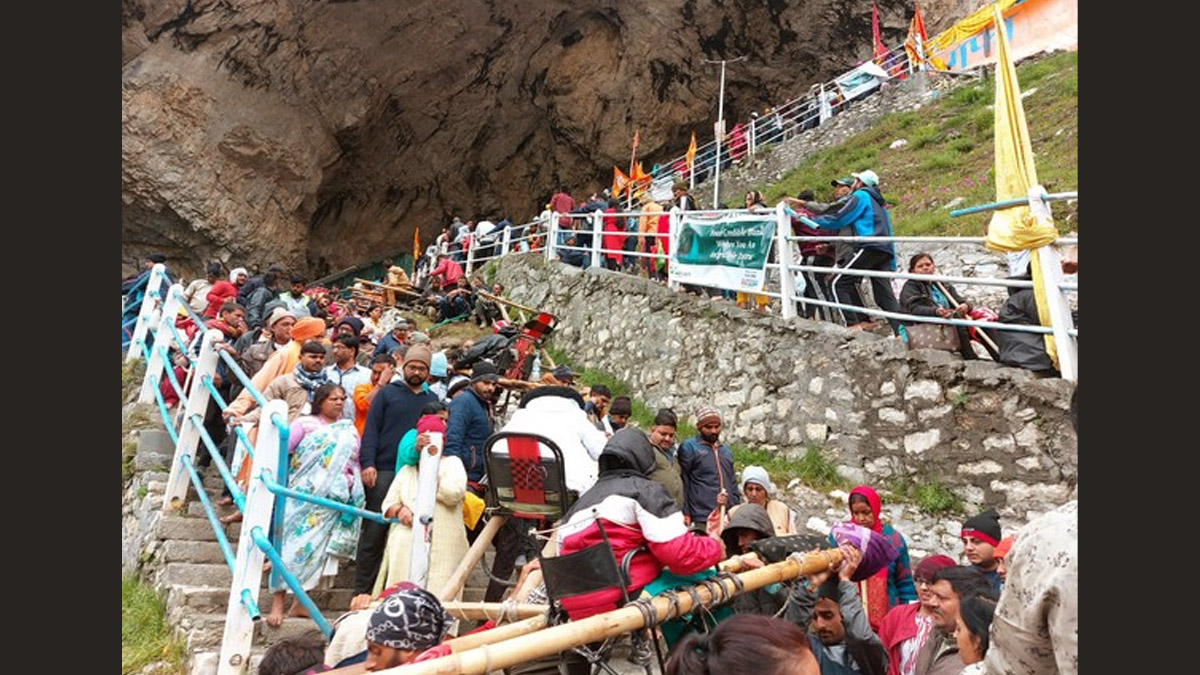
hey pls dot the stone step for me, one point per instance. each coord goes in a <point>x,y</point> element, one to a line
<point>192,528</point>
<point>182,550</point>
<point>195,508</point>
<point>217,575</point>
<point>209,600</point>
<point>204,631</point>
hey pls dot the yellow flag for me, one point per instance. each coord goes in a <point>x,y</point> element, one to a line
<point>1016,229</point>
<point>691,151</point>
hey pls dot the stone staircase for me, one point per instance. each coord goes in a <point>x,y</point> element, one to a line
<point>180,556</point>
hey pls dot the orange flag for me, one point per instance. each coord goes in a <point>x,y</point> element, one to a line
<point>691,151</point>
<point>638,174</point>
<point>416,248</point>
<point>915,43</point>
<point>620,180</point>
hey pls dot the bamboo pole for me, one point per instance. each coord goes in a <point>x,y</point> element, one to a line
<point>978,330</point>
<point>497,634</point>
<point>555,639</point>
<point>530,582</point>
<point>495,298</point>
<point>493,610</point>
<point>401,289</point>
<point>474,554</point>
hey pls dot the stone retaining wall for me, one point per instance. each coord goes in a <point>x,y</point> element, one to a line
<point>996,435</point>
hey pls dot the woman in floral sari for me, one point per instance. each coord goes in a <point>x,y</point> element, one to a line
<point>324,462</point>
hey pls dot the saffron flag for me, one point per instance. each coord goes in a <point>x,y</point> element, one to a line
<point>620,180</point>
<point>880,51</point>
<point>915,43</point>
<point>635,140</point>
<point>638,174</point>
<point>1017,229</point>
<point>416,248</point>
<point>691,152</point>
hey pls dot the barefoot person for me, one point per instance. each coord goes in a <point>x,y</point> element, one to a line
<point>324,462</point>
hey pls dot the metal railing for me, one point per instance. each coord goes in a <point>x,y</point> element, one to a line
<point>796,115</point>
<point>783,287</point>
<point>263,503</point>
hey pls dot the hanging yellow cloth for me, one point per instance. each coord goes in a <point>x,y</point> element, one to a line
<point>968,26</point>
<point>1016,229</point>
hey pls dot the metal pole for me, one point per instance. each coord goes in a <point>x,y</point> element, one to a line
<point>596,234</point>
<point>787,282</point>
<point>719,132</point>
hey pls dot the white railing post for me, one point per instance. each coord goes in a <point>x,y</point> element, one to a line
<point>673,220</point>
<point>1052,276</point>
<point>164,338</point>
<point>753,135</point>
<point>247,568</point>
<point>506,241</point>
<point>189,436</point>
<point>787,282</point>
<point>472,242</point>
<point>597,229</point>
<point>151,298</point>
<point>551,235</point>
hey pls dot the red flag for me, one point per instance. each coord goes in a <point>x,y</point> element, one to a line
<point>915,43</point>
<point>880,50</point>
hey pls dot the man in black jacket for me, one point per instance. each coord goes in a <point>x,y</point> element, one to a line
<point>394,410</point>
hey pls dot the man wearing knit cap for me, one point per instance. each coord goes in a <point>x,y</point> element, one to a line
<point>980,536</point>
<point>706,466</point>
<point>394,410</point>
<point>472,420</point>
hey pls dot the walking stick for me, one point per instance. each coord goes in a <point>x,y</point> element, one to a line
<point>978,330</point>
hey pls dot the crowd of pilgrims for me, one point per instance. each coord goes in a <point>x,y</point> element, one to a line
<point>362,401</point>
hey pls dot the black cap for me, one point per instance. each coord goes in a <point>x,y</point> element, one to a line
<point>156,258</point>
<point>485,371</point>
<point>985,526</point>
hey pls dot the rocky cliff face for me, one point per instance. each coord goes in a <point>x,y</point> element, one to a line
<point>319,134</point>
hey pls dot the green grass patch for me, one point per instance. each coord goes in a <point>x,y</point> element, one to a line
<point>145,636</point>
<point>930,495</point>
<point>128,450</point>
<point>950,152</point>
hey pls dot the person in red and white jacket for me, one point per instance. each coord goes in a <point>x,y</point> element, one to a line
<point>635,511</point>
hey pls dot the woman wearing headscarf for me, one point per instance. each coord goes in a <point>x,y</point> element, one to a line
<point>757,488</point>
<point>448,543</point>
<point>323,449</point>
<point>892,585</point>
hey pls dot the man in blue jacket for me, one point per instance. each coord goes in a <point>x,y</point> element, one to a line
<point>471,421</point>
<point>864,210</point>
<point>706,467</point>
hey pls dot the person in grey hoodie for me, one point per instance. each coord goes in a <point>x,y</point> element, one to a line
<point>749,523</point>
